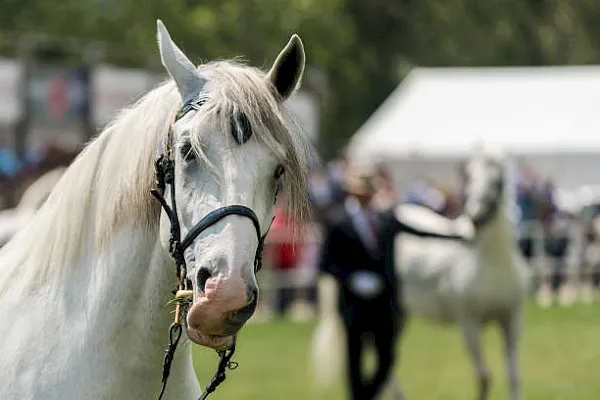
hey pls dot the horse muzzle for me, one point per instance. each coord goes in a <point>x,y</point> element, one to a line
<point>219,310</point>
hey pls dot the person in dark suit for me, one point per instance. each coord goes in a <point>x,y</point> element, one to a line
<point>357,251</point>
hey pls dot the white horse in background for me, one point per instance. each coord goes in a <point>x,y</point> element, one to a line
<point>83,287</point>
<point>453,282</point>
<point>13,219</point>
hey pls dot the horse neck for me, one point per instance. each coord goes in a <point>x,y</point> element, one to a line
<point>133,286</point>
<point>124,300</point>
<point>136,280</point>
<point>132,296</point>
<point>496,238</point>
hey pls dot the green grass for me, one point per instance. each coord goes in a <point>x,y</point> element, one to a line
<point>560,359</point>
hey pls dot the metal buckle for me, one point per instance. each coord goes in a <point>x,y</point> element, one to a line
<point>173,248</point>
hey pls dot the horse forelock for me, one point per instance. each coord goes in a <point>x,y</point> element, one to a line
<point>237,90</point>
<point>107,187</point>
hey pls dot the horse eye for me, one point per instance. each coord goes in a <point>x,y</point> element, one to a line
<point>279,172</point>
<point>187,152</point>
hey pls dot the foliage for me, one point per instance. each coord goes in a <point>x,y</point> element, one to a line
<point>363,47</point>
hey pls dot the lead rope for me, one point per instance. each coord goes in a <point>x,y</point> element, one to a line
<point>225,363</point>
<point>174,335</point>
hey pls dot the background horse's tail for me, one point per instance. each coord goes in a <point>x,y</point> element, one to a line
<point>35,195</point>
<point>328,344</point>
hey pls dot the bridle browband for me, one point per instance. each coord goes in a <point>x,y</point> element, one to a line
<point>165,175</point>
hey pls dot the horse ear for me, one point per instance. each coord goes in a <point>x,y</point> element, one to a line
<point>181,69</point>
<point>286,73</point>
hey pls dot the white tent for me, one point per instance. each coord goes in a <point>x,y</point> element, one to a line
<point>550,115</point>
<point>447,111</point>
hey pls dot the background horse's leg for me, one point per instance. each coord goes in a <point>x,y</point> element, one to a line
<point>472,336</point>
<point>511,330</point>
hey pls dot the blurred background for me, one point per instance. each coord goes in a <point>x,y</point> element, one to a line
<point>413,86</point>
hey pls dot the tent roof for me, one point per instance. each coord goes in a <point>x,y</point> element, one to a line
<point>448,111</point>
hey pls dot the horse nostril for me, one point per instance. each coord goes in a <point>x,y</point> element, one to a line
<point>201,278</point>
<point>252,295</point>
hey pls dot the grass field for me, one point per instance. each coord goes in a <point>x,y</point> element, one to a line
<point>560,360</point>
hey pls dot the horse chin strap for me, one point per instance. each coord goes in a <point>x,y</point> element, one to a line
<point>165,175</point>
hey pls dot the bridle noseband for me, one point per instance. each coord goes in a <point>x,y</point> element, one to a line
<point>165,175</point>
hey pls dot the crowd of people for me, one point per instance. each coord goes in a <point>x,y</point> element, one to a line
<point>17,173</point>
<point>536,207</point>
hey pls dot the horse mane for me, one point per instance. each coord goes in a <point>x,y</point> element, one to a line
<point>108,185</point>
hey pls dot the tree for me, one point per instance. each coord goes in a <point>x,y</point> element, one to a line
<point>363,47</point>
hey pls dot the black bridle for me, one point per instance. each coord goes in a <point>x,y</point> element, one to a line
<point>165,175</point>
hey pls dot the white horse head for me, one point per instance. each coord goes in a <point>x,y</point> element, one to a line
<point>214,170</point>
<point>93,267</point>
<point>485,187</point>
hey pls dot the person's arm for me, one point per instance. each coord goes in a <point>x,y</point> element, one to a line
<point>414,231</point>
<point>423,222</point>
